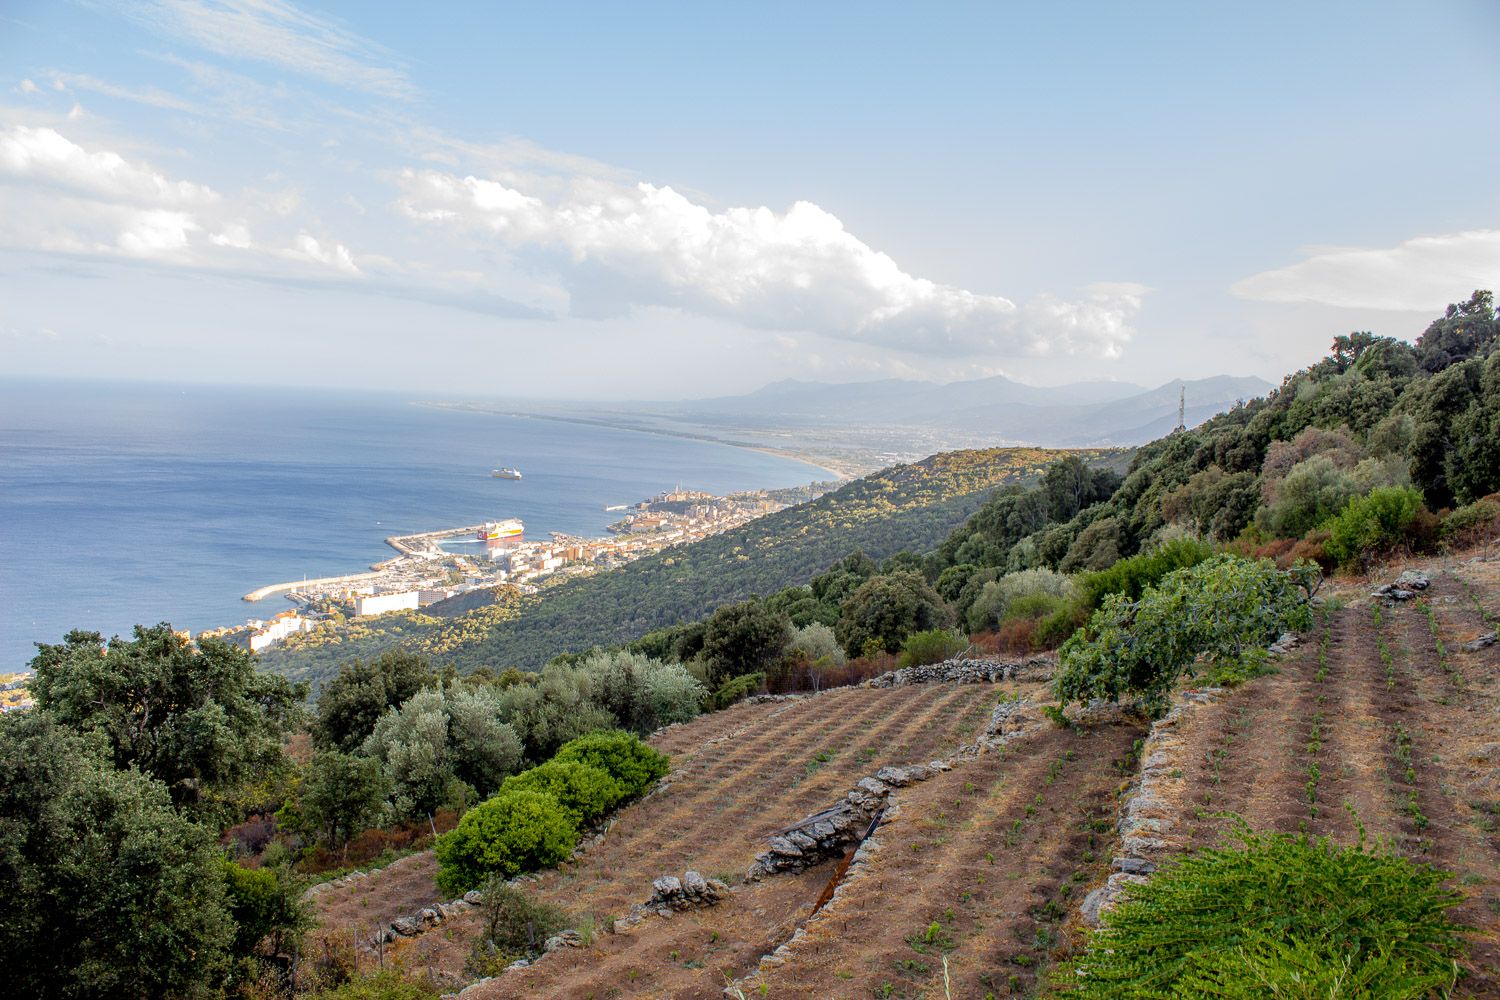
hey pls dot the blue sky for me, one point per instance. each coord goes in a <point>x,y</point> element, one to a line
<point>665,200</point>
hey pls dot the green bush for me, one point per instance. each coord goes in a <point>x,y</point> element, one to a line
<point>622,756</point>
<point>736,688</point>
<point>1374,524</point>
<point>995,600</point>
<point>1478,518</point>
<point>385,985</point>
<point>515,926</point>
<point>514,832</point>
<point>932,646</point>
<point>1132,576</point>
<point>1277,916</point>
<point>267,905</point>
<point>1221,609</point>
<point>586,793</point>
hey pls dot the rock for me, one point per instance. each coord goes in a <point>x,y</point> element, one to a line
<point>1093,905</point>
<point>1412,580</point>
<point>694,884</point>
<point>407,926</point>
<point>666,887</point>
<point>473,897</point>
<point>782,846</point>
<point>1483,642</point>
<point>1134,866</point>
<point>802,840</point>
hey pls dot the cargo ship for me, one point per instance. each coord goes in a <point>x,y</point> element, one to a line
<point>505,473</point>
<point>509,530</point>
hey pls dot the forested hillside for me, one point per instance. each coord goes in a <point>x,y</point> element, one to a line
<point>904,508</point>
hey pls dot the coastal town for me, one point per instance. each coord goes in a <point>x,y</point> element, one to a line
<point>435,566</point>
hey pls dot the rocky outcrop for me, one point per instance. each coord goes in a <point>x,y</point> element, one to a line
<point>978,670</point>
<point>1484,641</point>
<point>671,895</point>
<point>1408,585</point>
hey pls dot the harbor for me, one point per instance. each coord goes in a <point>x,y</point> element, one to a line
<point>435,565</point>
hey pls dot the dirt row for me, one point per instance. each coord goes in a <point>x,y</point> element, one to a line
<point>1381,724</point>
<point>738,776</point>
<point>984,865</point>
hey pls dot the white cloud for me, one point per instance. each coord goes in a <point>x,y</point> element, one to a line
<point>57,195</point>
<point>27,87</point>
<point>46,156</point>
<point>152,96</point>
<point>1420,275</point>
<point>278,33</point>
<point>620,246</point>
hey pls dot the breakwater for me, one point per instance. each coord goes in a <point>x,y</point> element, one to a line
<point>417,546</point>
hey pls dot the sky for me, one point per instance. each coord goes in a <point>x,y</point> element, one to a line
<point>658,201</point>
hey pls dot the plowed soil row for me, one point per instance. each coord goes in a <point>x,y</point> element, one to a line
<point>743,775</point>
<point>983,865</point>
<point>1407,751</point>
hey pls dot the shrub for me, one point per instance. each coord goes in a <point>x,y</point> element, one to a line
<point>885,610</point>
<point>1473,522</point>
<point>515,926</point>
<point>622,756</point>
<point>736,688</point>
<point>1373,524</point>
<point>586,793</point>
<point>1219,609</point>
<point>816,641</point>
<point>385,985</point>
<point>932,646</point>
<point>514,832</point>
<point>267,905</point>
<point>1280,915</point>
<point>1132,576</point>
<point>996,598</point>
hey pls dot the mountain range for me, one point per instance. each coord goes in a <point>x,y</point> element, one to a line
<point>998,409</point>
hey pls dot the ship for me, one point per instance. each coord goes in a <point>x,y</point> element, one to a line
<point>508,530</point>
<point>506,473</point>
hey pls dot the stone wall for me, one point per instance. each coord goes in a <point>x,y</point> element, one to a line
<point>977,670</point>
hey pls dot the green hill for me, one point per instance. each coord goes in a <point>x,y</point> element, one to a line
<point>906,507</point>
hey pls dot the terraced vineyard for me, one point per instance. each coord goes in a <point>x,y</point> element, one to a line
<point>1381,721</point>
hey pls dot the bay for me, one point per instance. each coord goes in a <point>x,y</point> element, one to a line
<point>126,503</point>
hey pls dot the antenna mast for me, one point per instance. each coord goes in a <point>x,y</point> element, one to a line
<point>1182,408</point>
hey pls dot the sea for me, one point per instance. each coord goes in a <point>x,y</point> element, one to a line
<point>126,503</point>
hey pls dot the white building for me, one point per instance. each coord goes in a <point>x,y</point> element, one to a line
<point>379,604</point>
<point>278,628</point>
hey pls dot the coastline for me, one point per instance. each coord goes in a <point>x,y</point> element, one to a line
<point>837,469</point>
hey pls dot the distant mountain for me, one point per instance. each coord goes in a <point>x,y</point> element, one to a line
<point>995,408</point>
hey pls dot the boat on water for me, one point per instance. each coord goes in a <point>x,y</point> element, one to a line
<point>505,473</point>
<point>510,529</point>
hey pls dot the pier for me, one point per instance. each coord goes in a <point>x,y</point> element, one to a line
<point>409,546</point>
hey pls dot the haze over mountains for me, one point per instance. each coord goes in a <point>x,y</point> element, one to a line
<point>998,409</point>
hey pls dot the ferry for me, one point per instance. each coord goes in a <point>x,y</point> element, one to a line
<point>500,531</point>
<point>505,473</point>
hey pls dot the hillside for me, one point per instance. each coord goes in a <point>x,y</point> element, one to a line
<point>989,866</point>
<point>906,507</point>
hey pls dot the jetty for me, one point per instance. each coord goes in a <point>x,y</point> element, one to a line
<point>417,546</point>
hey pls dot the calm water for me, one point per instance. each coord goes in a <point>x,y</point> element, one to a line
<point>127,503</point>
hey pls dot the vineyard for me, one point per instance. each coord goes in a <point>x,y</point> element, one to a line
<point>1379,724</point>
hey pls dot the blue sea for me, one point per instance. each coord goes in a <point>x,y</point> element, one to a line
<point>138,503</point>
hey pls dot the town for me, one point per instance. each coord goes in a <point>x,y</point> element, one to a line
<point>434,566</point>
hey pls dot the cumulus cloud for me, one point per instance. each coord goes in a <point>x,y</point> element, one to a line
<point>58,195</point>
<point>1420,275</point>
<point>619,246</point>
<point>279,33</point>
<point>45,156</point>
